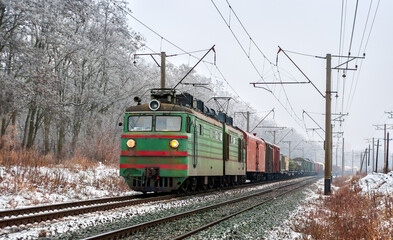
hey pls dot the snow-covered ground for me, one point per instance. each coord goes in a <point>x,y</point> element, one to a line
<point>26,186</point>
<point>65,184</point>
<point>72,223</point>
<point>379,183</point>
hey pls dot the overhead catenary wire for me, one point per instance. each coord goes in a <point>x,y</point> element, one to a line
<point>360,47</point>
<point>252,63</point>
<point>364,50</point>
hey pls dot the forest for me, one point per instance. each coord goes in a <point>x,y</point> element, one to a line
<point>68,72</point>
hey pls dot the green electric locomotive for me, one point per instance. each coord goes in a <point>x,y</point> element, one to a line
<point>177,143</point>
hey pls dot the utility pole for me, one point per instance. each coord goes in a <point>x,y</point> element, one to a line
<point>328,126</point>
<point>361,162</point>
<point>387,154</point>
<point>335,170</point>
<point>248,121</point>
<point>373,155</point>
<point>273,132</point>
<point>163,55</point>
<point>369,151</point>
<point>365,156</point>
<point>328,116</point>
<point>247,117</point>
<point>352,163</point>
<point>376,162</point>
<point>384,148</point>
<point>342,170</point>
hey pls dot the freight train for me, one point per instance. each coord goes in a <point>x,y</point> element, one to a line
<point>175,142</point>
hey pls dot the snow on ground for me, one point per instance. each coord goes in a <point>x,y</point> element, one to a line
<point>372,183</point>
<point>285,231</point>
<point>72,223</point>
<point>377,183</point>
<point>26,186</point>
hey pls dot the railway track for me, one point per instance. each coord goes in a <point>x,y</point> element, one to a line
<point>55,211</point>
<point>267,195</point>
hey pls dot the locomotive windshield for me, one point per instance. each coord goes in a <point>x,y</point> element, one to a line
<point>168,123</point>
<point>140,123</point>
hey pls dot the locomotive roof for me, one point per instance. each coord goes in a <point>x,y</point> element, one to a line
<point>163,107</point>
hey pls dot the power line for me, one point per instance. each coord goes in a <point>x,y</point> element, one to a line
<point>364,50</point>
<point>181,49</point>
<point>251,61</point>
<point>361,44</point>
<point>353,27</point>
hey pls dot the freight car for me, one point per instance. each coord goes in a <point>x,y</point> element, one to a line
<point>176,143</point>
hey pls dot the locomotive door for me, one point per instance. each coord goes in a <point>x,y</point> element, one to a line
<point>195,152</point>
<point>257,157</point>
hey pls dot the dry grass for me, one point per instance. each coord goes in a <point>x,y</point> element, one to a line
<point>347,214</point>
<point>29,171</point>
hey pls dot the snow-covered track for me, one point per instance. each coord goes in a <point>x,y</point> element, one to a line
<point>270,194</point>
<point>49,212</point>
<point>58,206</point>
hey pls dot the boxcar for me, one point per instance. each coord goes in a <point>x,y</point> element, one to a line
<point>276,159</point>
<point>255,157</point>
<point>284,164</point>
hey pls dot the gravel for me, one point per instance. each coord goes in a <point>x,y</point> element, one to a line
<point>131,217</point>
<point>258,223</point>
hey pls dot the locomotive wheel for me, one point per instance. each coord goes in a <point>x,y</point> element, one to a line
<point>184,187</point>
<point>226,181</point>
<point>193,184</point>
<point>221,182</point>
<point>210,184</point>
<point>204,187</point>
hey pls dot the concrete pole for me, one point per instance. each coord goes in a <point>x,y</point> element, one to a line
<point>274,136</point>
<point>163,55</point>
<point>384,147</point>
<point>328,126</point>
<point>373,155</point>
<point>387,154</point>
<point>343,165</point>
<point>376,162</point>
<point>335,170</point>
<point>248,121</point>
<point>352,163</point>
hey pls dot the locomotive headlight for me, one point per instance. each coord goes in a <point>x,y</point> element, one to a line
<point>131,143</point>
<point>154,105</point>
<point>174,143</point>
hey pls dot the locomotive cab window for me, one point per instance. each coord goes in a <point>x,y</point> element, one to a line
<point>140,123</point>
<point>200,130</point>
<point>168,123</point>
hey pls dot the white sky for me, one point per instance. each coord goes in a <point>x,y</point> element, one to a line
<point>311,27</point>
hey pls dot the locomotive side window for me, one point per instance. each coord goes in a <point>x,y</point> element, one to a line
<point>200,129</point>
<point>240,153</point>
<point>188,125</point>
<point>168,123</point>
<point>211,133</point>
<point>140,123</point>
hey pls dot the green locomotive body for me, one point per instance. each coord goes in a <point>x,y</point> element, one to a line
<point>178,148</point>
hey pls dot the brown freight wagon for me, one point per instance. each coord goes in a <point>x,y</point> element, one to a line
<point>276,159</point>
<point>255,157</point>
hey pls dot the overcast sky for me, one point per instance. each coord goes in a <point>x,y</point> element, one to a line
<point>310,27</point>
